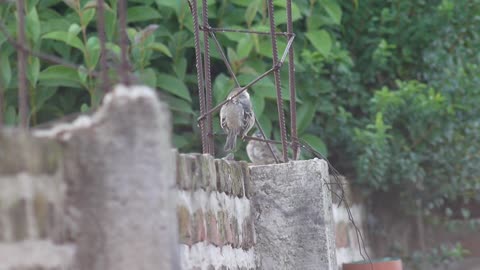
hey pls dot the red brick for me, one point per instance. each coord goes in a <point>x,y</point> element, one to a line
<point>184,225</point>
<point>18,217</point>
<point>198,227</point>
<point>41,212</point>
<point>229,239</point>
<point>235,232</point>
<point>222,219</point>
<point>248,233</point>
<point>213,235</point>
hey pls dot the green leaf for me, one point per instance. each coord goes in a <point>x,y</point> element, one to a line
<point>234,36</point>
<point>84,108</point>
<point>110,23</point>
<point>221,87</point>
<point>271,92</point>
<point>180,68</point>
<point>179,105</point>
<point>73,30</point>
<point>180,141</point>
<point>59,75</point>
<point>258,103</point>
<point>10,116</point>
<point>321,40</point>
<point>87,16</point>
<point>33,69</point>
<point>142,13</point>
<point>305,114</point>
<point>281,15</point>
<point>157,46</point>
<point>94,4</point>
<point>5,69</point>
<point>82,73</point>
<point>33,25</point>
<point>71,3</point>
<point>333,10</point>
<point>266,124</point>
<point>316,143</point>
<point>145,36</point>
<point>93,52</point>
<point>266,48</point>
<point>251,11</point>
<point>244,47</point>
<point>173,85</point>
<point>42,95</point>
<point>173,4</point>
<point>148,77</point>
<point>63,36</point>
<point>232,55</point>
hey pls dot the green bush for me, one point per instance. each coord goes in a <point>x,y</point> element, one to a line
<point>418,133</point>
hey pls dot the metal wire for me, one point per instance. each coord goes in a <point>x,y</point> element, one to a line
<point>224,58</point>
<point>223,30</point>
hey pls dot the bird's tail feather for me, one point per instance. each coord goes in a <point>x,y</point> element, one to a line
<point>231,142</point>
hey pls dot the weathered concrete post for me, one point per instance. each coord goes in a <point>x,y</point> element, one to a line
<point>294,222</point>
<point>120,174</point>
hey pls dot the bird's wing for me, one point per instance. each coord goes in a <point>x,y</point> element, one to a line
<point>223,119</point>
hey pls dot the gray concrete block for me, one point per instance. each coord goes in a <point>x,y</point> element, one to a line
<point>293,216</point>
<point>121,174</point>
<point>33,255</point>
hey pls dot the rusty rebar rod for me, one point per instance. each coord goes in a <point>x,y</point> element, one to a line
<point>124,69</point>
<point>223,30</point>
<point>2,98</point>
<point>276,74</point>
<point>208,77</point>
<point>199,65</point>
<point>291,81</point>
<point>23,109</point>
<point>103,50</point>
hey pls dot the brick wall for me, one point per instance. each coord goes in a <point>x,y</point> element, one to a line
<point>214,215</point>
<point>101,194</point>
<point>346,242</point>
<point>32,192</point>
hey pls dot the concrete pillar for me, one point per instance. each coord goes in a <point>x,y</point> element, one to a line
<point>294,222</point>
<point>120,172</point>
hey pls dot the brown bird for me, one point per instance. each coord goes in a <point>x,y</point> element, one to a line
<point>258,151</point>
<point>236,117</point>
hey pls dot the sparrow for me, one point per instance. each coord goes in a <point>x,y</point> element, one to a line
<point>236,117</point>
<point>258,151</point>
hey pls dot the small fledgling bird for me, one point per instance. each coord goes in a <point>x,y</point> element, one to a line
<point>236,117</point>
<point>258,151</point>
